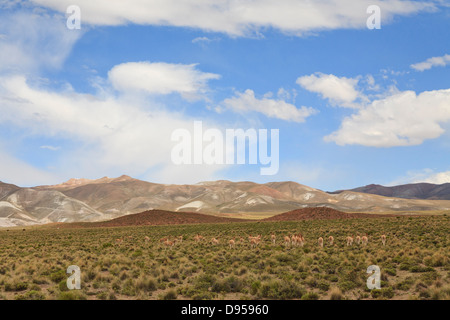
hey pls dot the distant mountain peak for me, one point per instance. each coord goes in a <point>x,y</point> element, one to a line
<point>75,181</point>
<point>421,190</point>
<point>215,182</point>
<point>78,182</point>
<point>123,177</point>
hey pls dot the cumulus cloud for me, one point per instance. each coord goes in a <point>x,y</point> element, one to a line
<point>338,90</point>
<point>273,108</point>
<point>400,119</point>
<point>387,119</point>
<point>239,18</point>
<point>438,178</point>
<point>108,134</point>
<point>432,62</point>
<point>160,78</point>
<point>426,175</point>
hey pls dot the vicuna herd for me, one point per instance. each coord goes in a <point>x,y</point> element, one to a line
<point>295,240</point>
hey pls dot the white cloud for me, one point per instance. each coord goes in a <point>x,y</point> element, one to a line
<point>425,175</point>
<point>438,178</point>
<point>390,118</point>
<point>31,41</point>
<point>160,78</point>
<point>239,18</point>
<point>432,62</point>
<point>280,109</point>
<point>203,40</point>
<point>51,148</point>
<point>338,90</point>
<point>284,94</point>
<point>400,119</point>
<point>107,134</point>
<point>370,82</point>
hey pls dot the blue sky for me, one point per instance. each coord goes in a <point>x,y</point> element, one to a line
<point>366,106</point>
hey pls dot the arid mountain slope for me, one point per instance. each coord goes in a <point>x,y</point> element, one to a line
<point>126,195</point>
<point>7,189</point>
<point>107,198</point>
<point>26,206</point>
<point>427,191</point>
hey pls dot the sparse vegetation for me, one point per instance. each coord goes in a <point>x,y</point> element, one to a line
<point>415,262</point>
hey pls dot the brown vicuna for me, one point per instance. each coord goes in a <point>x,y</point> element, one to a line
<point>349,241</point>
<point>273,238</point>
<point>163,239</point>
<point>198,238</point>
<point>256,238</point>
<point>364,240</point>
<point>293,240</point>
<point>301,240</point>
<point>331,240</point>
<point>383,239</point>
<point>169,243</point>
<point>320,242</point>
<point>254,242</point>
<point>297,240</point>
<point>287,241</point>
<point>232,243</point>
<point>358,240</point>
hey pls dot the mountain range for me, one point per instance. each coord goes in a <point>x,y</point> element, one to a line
<point>84,200</point>
<point>408,191</point>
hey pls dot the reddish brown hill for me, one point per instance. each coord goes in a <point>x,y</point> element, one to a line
<point>319,213</point>
<point>154,218</point>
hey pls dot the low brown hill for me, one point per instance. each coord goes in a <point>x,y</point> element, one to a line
<point>319,213</point>
<point>154,218</point>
